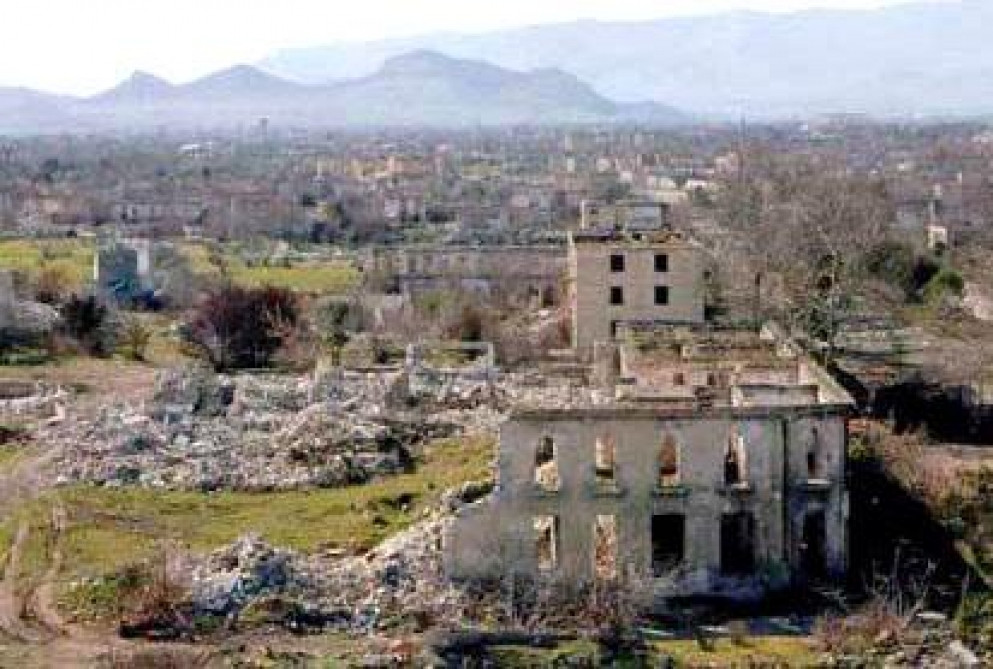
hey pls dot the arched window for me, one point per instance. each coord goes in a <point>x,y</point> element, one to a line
<point>546,472</point>
<point>604,457</point>
<point>736,460</point>
<point>669,458</point>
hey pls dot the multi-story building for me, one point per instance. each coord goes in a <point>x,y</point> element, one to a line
<point>696,461</point>
<point>619,276</point>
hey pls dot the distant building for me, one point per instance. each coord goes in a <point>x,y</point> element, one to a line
<point>121,270</point>
<point>620,276</point>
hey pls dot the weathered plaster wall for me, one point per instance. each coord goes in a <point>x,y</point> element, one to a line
<point>498,536</point>
<point>590,281</point>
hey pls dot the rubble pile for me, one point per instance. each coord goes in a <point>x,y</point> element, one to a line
<point>265,432</point>
<point>255,433</point>
<point>400,580</point>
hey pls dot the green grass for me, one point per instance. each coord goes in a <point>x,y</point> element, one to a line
<point>577,653</point>
<point>71,258</point>
<point>113,527</point>
<point>10,455</point>
<point>762,651</point>
<point>759,651</point>
<point>325,278</point>
<point>110,529</point>
<point>332,278</point>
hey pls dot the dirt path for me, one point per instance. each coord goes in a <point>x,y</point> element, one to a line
<point>12,604</point>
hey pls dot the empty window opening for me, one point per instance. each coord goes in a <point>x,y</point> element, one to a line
<point>613,328</point>
<point>661,262</point>
<point>813,549</point>
<point>616,295</point>
<point>711,379</point>
<point>737,543</point>
<point>616,263</point>
<point>605,547</point>
<point>605,459</point>
<point>679,379</point>
<point>546,539</point>
<point>669,462</point>
<point>668,543</point>
<point>813,456</point>
<point>546,471</point>
<point>736,461</point>
<point>661,295</point>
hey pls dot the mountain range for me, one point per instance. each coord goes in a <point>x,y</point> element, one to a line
<point>926,58</point>
<point>417,88</point>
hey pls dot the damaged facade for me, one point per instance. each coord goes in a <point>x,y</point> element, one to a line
<point>701,460</point>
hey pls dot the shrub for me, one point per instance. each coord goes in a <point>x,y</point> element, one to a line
<point>238,327</point>
<point>893,262</point>
<point>87,322</point>
<point>946,281</point>
<point>134,338</point>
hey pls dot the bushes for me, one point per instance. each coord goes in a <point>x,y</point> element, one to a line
<point>924,278</point>
<point>243,327</point>
<point>86,321</point>
<point>135,338</point>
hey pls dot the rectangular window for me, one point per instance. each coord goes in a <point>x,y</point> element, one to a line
<point>546,469</point>
<point>661,295</point>
<point>616,263</point>
<point>605,547</point>
<point>616,295</point>
<point>661,262</point>
<point>668,543</point>
<point>604,460</point>
<point>546,539</point>
<point>737,543</point>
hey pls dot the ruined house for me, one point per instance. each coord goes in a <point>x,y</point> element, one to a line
<point>698,461</point>
<point>527,271</point>
<point>624,276</point>
<point>121,269</point>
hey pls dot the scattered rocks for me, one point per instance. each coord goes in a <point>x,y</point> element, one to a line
<point>266,432</point>
<point>398,583</point>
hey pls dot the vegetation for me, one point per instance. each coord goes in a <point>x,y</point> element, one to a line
<point>86,321</point>
<point>110,530</point>
<point>69,259</point>
<point>237,327</point>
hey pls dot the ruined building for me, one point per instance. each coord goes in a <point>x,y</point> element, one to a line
<point>698,460</point>
<point>621,276</point>
<point>121,269</point>
<point>532,271</point>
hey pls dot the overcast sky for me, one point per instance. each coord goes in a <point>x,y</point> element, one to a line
<point>83,46</point>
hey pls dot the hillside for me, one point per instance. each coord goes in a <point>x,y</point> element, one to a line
<point>420,88</point>
<point>925,58</point>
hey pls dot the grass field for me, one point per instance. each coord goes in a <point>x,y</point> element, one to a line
<point>70,258</point>
<point>761,651</point>
<point>110,528</point>
<point>312,277</point>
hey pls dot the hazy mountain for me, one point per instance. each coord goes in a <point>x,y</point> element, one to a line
<point>927,58</point>
<point>426,88</point>
<point>239,82</point>
<point>420,88</point>
<point>23,110</point>
<point>140,87</point>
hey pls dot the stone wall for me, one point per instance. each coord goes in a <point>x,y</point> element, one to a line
<point>498,535</point>
<point>591,280</point>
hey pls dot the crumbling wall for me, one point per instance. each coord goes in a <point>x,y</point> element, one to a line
<point>639,493</point>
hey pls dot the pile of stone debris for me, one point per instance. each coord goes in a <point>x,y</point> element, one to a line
<point>398,582</point>
<point>252,432</point>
